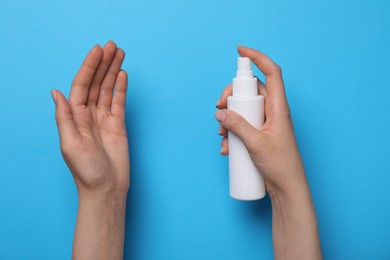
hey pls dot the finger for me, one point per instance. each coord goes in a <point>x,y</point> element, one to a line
<point>107,86</point>
<point>222,101</point>
<point>236,124</point>
<point>64,117</point>
<point>224,146</point>
<point>108,54</point>
<point>118,106</point>
<point>273,74</point>
<point>222,131</point>
<point>82,81</point>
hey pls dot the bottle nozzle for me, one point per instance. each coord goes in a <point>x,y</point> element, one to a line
<point>244,84</point>
<point>244,68</point>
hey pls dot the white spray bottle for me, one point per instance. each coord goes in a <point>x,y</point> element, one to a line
<point>246,182</point>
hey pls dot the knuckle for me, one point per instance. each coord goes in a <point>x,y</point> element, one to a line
<point>277,69</point>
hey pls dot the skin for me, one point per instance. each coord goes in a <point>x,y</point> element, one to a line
<point>94,145</point>
<point>93,140</point>
<point>274,151</point>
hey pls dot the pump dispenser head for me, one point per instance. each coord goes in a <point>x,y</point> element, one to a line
<point>244,84</point>
<point>244,68</point>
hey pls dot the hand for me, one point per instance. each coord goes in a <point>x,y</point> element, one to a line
<point>275,153</point>
<point>273,147</point>
<point>92,123</point>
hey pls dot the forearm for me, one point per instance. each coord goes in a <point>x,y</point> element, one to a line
<point>294,224</point>
<point>100,226</point>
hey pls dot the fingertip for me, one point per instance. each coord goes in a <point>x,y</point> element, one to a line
<point>122,76</point>
<point>61,99</point>
<point>224,146</point>
<point>97,50</point>
<point>222,131</point>
<point>241,48</point>
<point>222,104</point>
<point>54,95</point>
<point>110,42</point>
<point>222,101</point>
<point>95,54</point>
<point>110,47</point>
<point>220,115</point>
<point>223,151</point>
<point>121,52</point>
<point>123,72</point>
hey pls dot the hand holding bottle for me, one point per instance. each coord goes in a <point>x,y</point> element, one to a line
<point>273,147</point>
<point>274,151</point>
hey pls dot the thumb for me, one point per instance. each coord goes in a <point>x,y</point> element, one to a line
<point>65,123</point>
<point>239,126</point>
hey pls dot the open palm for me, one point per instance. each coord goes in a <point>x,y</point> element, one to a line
<point>92,122</point>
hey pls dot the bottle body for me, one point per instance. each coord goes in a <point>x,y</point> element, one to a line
<point>246,182</point>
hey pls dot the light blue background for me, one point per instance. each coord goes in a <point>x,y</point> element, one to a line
<point>180,55</point>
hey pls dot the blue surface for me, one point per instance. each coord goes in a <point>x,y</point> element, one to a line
<point>180,55</point>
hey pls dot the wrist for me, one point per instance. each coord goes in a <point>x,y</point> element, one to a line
<point>293,195</point>
<point>287,182</point>
<point>100,225</point>
<point>112,199</point>
<point>294,223</point>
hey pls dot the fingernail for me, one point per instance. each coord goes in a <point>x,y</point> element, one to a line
<point>221,150</point>
<point>53,95</point>
<point>220,115</point>
<point>220,130</point>
<point>218,103</point>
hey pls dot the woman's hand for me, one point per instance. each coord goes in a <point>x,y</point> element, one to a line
<point>94,145</point>
<point>273,147</point>
<point>275,153</point>
<point>92,123</point>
